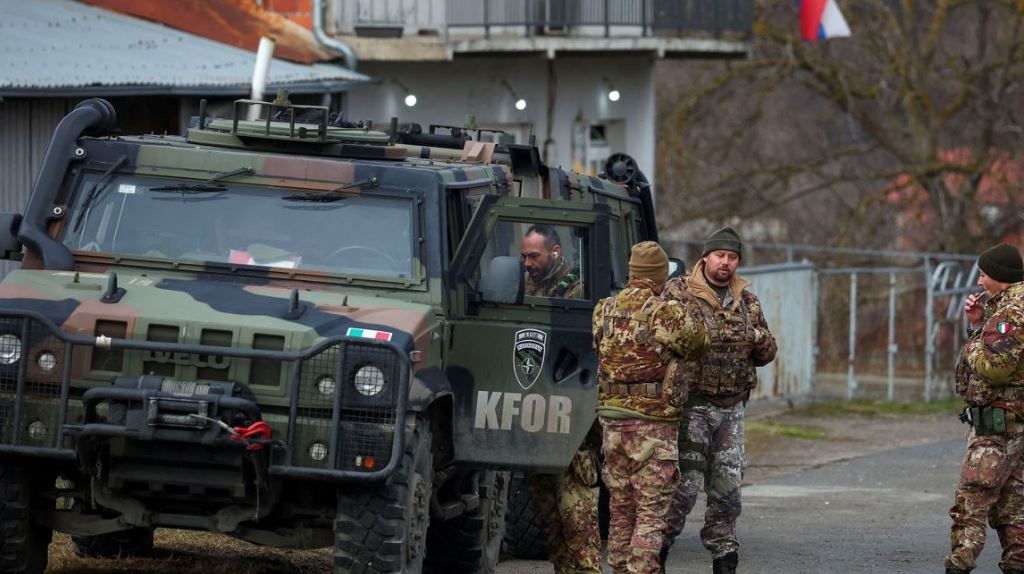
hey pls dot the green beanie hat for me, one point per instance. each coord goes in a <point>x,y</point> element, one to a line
<point>726,239</point>
<point>1002,263</point>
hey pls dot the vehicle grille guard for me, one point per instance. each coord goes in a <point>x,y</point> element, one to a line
<point>350,424</point>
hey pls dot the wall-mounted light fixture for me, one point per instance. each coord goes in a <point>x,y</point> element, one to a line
<point>520,103</point>
<point>410,98</point>
<point>613,93</point>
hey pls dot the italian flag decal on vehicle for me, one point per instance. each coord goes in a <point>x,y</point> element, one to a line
<point>369,334</point>
<point>1003,327</point>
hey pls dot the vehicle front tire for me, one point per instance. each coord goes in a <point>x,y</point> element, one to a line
<point>24,545</point>
<point>382,529</point>
<point>471,543</point>
<point>525,537</point>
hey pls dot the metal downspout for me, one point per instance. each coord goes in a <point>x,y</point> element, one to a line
<point>332,44</point>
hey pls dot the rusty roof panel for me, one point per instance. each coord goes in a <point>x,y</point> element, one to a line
<point>239,23</point>
<point>61,47</point>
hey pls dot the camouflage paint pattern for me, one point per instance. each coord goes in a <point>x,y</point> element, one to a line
<point>556,283</point>
<point>567,507</point>
<point>186,299</point>
<point>255,299</point>
<point>641,471</point>
<point>991,489</point>
<point>740,338</point>
<point>638,338</point>
<point>712,456</point>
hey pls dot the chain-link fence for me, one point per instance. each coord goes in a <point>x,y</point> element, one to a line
<point>889,323</point>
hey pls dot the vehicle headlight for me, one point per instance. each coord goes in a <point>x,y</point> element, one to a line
<point>47,361</point>
<point>369,380</point>
<point>10,349</point>
<point>37,430</point>
<point>318,451</point>
<point>325,385</point>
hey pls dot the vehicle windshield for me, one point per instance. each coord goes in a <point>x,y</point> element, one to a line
<point>351,235</point>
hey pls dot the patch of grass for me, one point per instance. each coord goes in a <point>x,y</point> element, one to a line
<point>770,428</point>
<point>870,408</point>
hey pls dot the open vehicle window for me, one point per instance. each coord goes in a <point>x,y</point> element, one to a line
<point>553,256</point>
<point>359,235</point>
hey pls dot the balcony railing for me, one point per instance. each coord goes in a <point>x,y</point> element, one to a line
<point>572,18</point>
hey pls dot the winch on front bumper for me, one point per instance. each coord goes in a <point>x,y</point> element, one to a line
<point>344,418</point>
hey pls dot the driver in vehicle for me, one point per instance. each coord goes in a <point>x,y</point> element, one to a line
<point>548,273</point>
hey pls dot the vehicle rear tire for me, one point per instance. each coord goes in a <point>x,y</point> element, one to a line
<point>382,529</point>
<point>471,543</point>
<point>24,545</point>
<point>525,537</point>
<point>131,542</point>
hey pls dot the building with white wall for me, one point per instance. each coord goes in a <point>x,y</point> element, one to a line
<point>562,58</point>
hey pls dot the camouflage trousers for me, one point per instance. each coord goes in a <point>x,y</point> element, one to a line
<point>641,471</point>
<point>712,456</point>
<point>991,488</point>
<point>567,507</point>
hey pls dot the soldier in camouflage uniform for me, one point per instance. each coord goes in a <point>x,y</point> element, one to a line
<point>566,504</point>
<point>990,377</point>
<point>547,272</point>
<point>711,448</point>
<point>641,341</point>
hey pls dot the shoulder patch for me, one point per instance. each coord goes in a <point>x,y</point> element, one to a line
<point>1004,328</point>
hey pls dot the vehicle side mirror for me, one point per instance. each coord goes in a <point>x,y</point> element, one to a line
<point>503,281</point>
<point>675,267</point>
<point>10,247</point>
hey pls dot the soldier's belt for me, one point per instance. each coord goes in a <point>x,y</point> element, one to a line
<point>653,389</point>
<point>725,401</point>
<point>991,420</point>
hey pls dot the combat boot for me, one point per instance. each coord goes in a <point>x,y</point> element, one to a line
<point>726,564</point>
<point>957,571</point>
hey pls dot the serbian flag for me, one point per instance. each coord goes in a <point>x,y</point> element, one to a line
<point>821,20</point>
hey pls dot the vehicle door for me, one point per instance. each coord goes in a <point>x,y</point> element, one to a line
<point>522,367</point>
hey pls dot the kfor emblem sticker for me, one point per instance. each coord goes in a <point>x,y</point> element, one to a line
<point>528,355</point>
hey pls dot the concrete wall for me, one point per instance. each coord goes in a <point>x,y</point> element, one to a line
<point>448,91</point>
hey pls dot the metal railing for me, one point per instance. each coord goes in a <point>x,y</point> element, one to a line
<point>624,18</point>
<point>879,312</point>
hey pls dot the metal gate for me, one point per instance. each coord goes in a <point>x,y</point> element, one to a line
<point>788,295</point>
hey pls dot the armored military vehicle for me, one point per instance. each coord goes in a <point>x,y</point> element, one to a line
<point>295,330</point>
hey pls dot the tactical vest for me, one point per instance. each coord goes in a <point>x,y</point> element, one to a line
<point>726,369</point>
<point>632,361</point>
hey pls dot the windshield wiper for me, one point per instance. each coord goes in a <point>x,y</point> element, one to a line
<point>333,194</point>
<point>97,187</point>
<point>209,185</point>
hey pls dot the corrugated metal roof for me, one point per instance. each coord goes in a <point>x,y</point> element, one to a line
<point>61,47</point>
